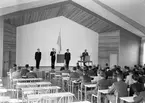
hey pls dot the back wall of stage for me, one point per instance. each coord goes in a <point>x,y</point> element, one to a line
<point>44,35</point>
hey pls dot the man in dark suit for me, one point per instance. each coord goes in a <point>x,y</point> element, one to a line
<point>136,87</point>
<point>31,73</point>
<point>67,57</point>
<point>118,88</point>
<point>84,54</point>
<point>53,57</point>
<point>38,58</point>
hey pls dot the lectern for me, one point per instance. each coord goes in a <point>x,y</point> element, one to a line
<point>60,58</point>
<point>86,61</point>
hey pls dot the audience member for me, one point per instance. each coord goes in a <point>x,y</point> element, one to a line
<point>136,87</point>
<point>91,72</point>
<point>31,73</point>
<point>118,88</point>
<point>103,83</point>
<point>85,78</point>
<point>17,73</point>
<point>96,79</point>
<point>25,71</point>
<point>13,69</point>
<point>114,78</point>
<point>129,79</point>
<point>74,75</point>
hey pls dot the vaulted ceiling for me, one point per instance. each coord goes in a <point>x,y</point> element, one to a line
<point>68,9</point>
<point>127,14</point>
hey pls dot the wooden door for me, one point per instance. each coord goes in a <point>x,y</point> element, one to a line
<point>6,66</point>
<point>113,60</point>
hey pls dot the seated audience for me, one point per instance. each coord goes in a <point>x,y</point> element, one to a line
<point>129,79</point>
<point>136,87</point>
<point>118,88</point>
<point>25,71</point>
<point>31,73</point>
<point>140,98</point>
<point>17,73</point>
<point>74,75</point>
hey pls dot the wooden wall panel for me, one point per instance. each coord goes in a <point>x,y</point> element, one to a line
<point>130,47</point>
<point>67,9</point>
<point>108,44</point>
<point>10,43</point>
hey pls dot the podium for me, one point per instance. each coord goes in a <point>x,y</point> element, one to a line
<point>60,58</point>
<point>86,60</point>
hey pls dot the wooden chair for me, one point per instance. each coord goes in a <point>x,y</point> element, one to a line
<point>94,97</point>
<point>80,92</point>
<point>66,99</point>
<point>41,100</point>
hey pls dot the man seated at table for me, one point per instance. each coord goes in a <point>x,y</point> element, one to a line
<point>74,75</point>
<point>31,74</point>
<point>139,98</point>
<point>24,71</point>
<point>65,70</point>
<point>91,71</point>
<point>129,79</point>
<point>136,87</point>
<point>17,74</point>
<point>96,79</point>
<point>114,78</point>
<point>104,83</point>
<point>85,78</point>
<point>13,69</point>
<point>118,88</point>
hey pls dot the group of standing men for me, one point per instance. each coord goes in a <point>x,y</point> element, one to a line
<point>67,57</point>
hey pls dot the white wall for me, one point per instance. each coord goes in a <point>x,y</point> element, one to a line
<point>44,35</point>
<point>1,44</point>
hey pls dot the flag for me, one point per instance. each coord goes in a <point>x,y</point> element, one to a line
<point>59,41</point>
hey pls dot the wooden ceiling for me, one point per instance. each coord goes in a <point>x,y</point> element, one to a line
<point>67,9</point>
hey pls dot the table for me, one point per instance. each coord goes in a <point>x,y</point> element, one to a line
<point>3,90</point>
<point>50,89</point>
<point>40,88</point>
<point>4,99</point>
<point>22,85</point>
<point>82,102</point>
<point>105,91</point>
<point>82,62</point>
<point>27,79</point>
<point>88,86</point>
<point>54,95</point>
<point>15,101</point>
<point>93,77</point>
<point>127,99</point>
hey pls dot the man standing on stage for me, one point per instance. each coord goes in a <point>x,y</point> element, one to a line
<point>84,54</point>
<point>38,58</point>
<point>53,56</point>
<point>67,57</point>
